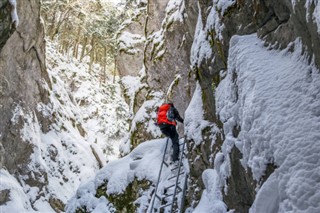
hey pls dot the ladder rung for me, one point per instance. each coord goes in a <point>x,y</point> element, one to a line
<point>165,205</point>
<point>157,196</point>
<point>169,195</point>
<point>178,191</point>
<point>176,176</point>
<point>165,163</point>
<point>171,185</point>
<point>181,165</point>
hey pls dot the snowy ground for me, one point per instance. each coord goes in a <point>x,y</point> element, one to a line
<point>88,115</point>
<point>142,163</point>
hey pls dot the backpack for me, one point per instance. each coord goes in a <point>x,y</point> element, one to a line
<point>170,114</point>
<point>166,114</point>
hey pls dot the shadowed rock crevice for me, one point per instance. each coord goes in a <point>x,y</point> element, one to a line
<point>5,22</point>
<point>241,186</point>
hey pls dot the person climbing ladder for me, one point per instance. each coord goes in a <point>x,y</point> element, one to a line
<point>166,120</point>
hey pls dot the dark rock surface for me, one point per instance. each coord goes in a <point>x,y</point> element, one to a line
<point>5,22</point>
<point>22,77</point>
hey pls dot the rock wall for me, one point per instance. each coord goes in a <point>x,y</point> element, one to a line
<point>22,77</point>
<point>278,23</point>
<point>6,22</point>
<point>163,38</point>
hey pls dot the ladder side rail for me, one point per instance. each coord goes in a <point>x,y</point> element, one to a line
<point>183,193</point>
<point>177,179</point>
<point>156,189</point>
<point>184,187</point>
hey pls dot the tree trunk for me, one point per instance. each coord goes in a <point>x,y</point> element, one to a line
<point>104,64</point>
<point>53,23</point>
<point>76,45</point>
<point>62,18</point>
<point>114,69</point>
<point>84,48</point>
<point>92,54</point>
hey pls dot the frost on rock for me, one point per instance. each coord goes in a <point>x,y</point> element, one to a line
<point>175,9</point>
<point>175,12</point>
<point>143,163</point>
<point>194,121</point>
<point>223,5</point>
<point>18,201</point>
<point>86,114</point>
<point>145,116</point>
<point>128,41</point>
<point>315,16</point>
<point>14,14</point>
<point>211,199</point>
<point>132,85</point>
<point>275,103</point>
<point>201,48</point>
<point>171,86</point>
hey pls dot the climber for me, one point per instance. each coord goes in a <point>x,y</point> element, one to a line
<point>167,114</point>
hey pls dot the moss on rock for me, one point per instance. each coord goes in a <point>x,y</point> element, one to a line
<point>124,202</point>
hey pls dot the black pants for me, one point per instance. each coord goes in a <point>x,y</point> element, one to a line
<point>171,132</point>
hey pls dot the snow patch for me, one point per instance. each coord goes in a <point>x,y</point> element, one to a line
<point>142,163</point>
<point>128,41</point>
<point>176,8</point>
<point>194,121</point>
<point>206,32</point>
<point>315,16</point>
<point>211,198</point>
<point>14,13</point>
<point>18,200</point>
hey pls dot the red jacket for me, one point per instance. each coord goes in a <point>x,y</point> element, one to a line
<point>162,115</point>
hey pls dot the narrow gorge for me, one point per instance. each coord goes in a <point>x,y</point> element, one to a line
<point>244,75</point>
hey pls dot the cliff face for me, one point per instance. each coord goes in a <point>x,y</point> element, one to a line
<point>279,24</point>
<point>22,68</point>
<point>159,57</point>
<point>197,49</point>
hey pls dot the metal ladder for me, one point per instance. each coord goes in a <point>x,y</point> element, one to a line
<point>176,183</point>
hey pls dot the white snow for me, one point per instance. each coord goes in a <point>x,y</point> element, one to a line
<point>132,85</point>
<point>146,116</point>
<point>194,121</point>
<point>223,5</point>
<point>142,163</point>
<point>176,9</point>
<point>201,48</point>
<point>211,199</point>
<point>315,16</point>
<point>14,13</point>
<point>18,200</point>
<point>273,96</point>
<point>170,88</point>
<point>86,114</point>
<point>128,41</point>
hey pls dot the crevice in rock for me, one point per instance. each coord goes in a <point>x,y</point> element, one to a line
<point>241,186</point>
